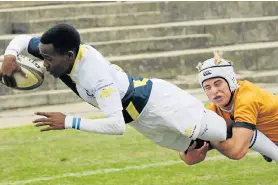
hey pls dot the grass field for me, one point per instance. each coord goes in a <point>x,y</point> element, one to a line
<point>78,158</point>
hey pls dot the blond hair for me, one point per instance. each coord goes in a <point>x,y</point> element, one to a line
<point>217,57</point>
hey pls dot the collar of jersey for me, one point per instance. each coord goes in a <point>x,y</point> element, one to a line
<point>79,57</point>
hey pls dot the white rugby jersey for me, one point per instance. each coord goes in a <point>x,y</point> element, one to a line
<point>119,96</point>
<point>97,81</point>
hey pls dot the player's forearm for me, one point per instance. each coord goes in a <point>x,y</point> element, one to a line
<point>231,148</point>
<point>113,125</point>
<point>226,148</point>
<point>17,45</point>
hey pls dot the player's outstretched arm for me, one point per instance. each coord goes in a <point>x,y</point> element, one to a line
<point>112,125</point>
<point>18,45</point>
<point>238,145</point>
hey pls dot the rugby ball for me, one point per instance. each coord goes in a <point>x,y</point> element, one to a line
<point>34,73</point>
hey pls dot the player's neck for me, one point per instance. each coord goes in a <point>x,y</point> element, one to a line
<point>228,108</point>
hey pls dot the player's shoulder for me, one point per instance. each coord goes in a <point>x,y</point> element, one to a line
<point>247,97</point>
<point>247,85</point>
<point>92,57</point>
<point>91,51</point>
<point>247,91</point>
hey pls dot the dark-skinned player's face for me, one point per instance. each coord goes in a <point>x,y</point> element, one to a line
<point>56,63</point>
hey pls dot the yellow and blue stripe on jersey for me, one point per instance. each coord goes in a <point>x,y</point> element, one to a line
<point>136,97</point>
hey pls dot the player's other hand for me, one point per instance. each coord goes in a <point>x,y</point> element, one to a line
<point>194,156</point>
<point>54,121</point>
<point>8,68</point>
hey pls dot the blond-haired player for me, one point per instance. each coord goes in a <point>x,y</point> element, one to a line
<point>247,109</point>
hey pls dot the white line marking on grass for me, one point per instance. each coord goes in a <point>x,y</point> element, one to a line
<point>110,170</point>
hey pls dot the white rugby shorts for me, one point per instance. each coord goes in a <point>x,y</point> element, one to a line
<point>171,118</point>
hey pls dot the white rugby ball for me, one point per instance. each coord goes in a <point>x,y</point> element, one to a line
<point>33,71</point>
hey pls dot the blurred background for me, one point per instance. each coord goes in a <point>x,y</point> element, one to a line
<point>150,39</point>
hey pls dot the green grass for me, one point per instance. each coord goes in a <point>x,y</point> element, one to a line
<point>26,153</point>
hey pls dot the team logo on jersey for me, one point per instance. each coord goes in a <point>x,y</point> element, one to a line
<point>106,92</point>
<point>91,95</point>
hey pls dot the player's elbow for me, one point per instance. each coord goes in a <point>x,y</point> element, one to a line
<point>120,127</point>
<point>238,154</point>
<point>121,130</point>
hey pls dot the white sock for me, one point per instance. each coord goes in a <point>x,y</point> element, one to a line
<point>213,127</point>
<point>262,144</point>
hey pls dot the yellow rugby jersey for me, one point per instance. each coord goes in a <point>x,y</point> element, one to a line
<point>255,106</point>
